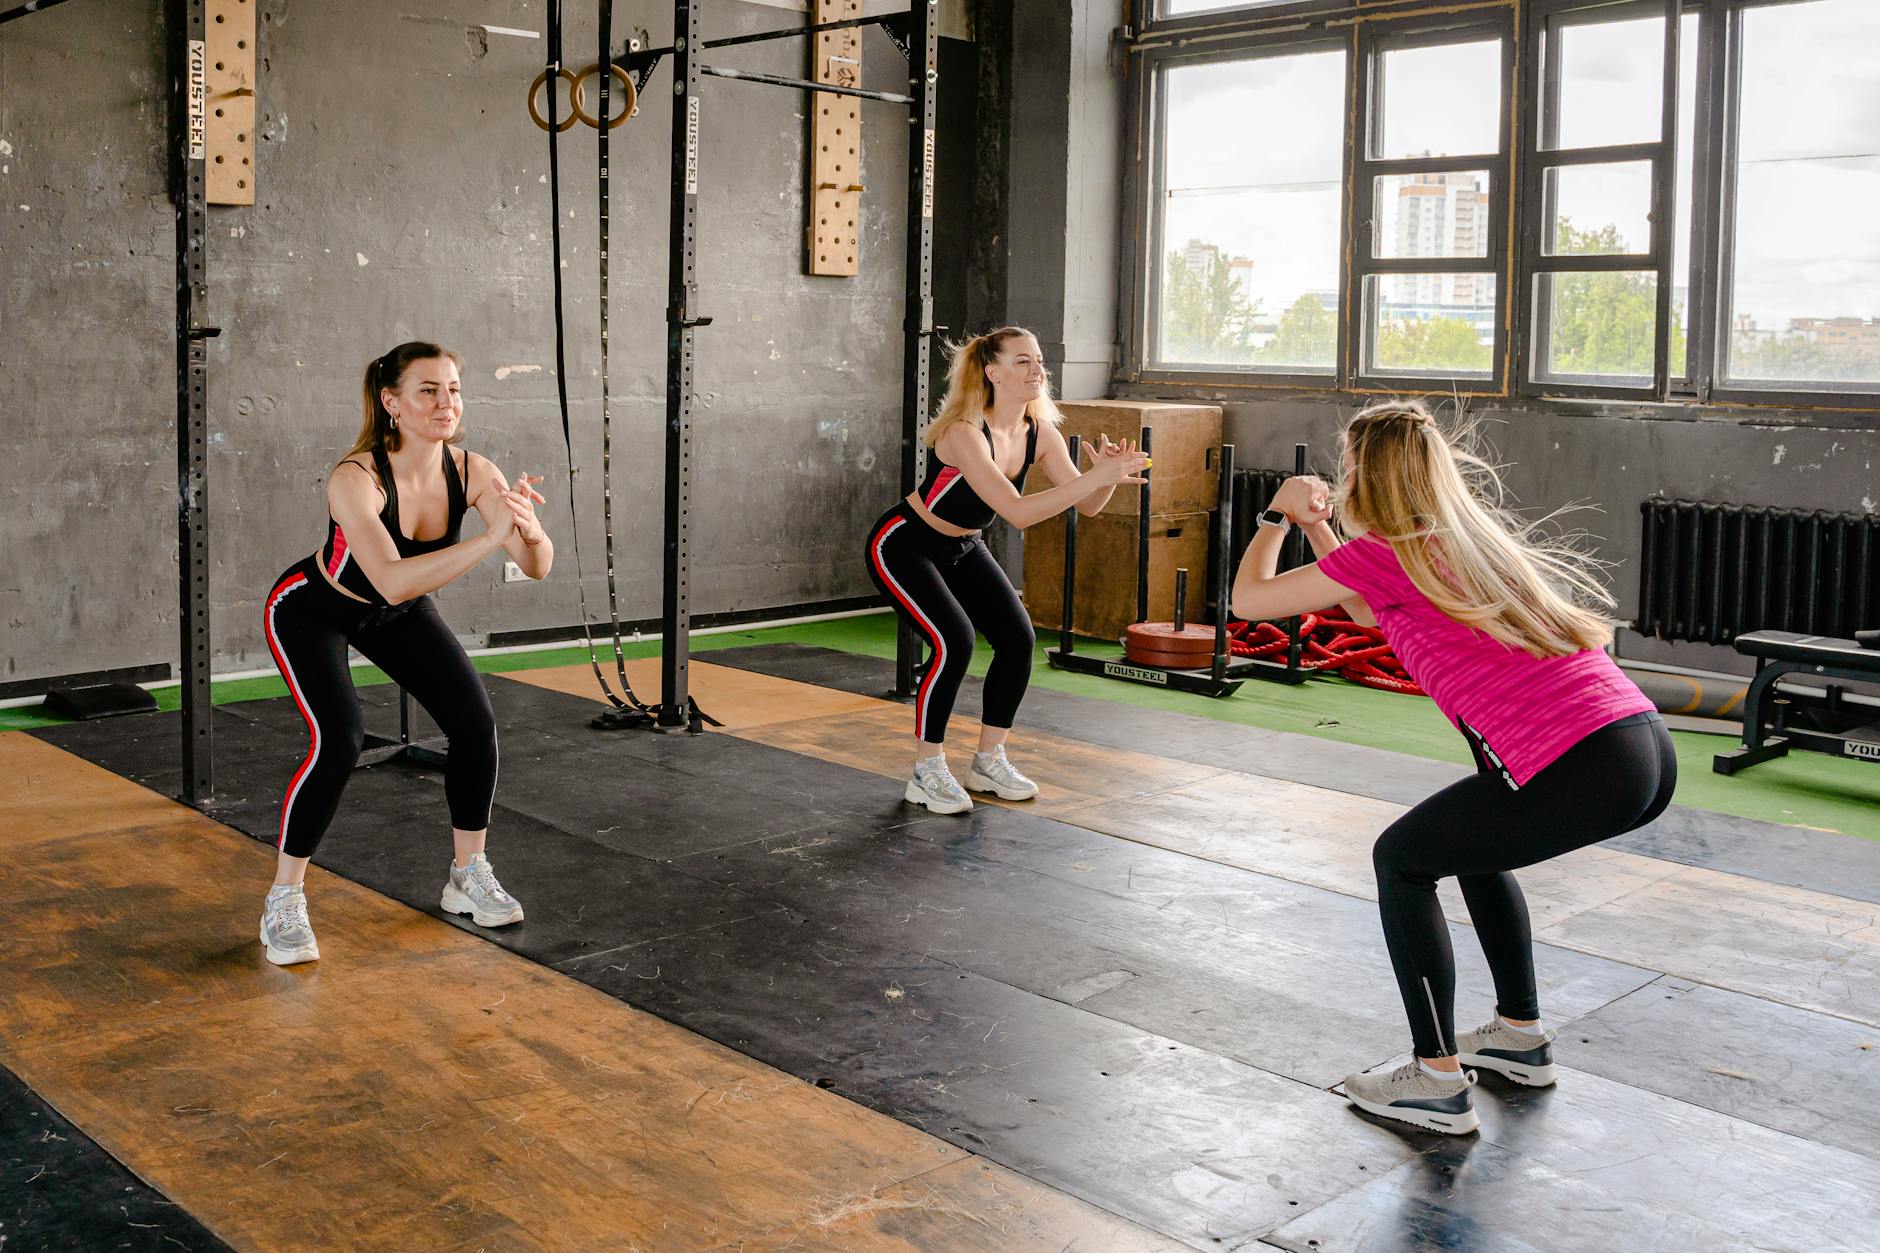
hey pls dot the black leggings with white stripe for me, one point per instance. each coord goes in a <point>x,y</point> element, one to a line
<point>1481,828</point>
<point>309,626</point>
<point>947,587</point>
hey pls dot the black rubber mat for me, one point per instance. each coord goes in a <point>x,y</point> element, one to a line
<point>1823,861</point>
<point>60,1190</point>
<point>1149,1031</point>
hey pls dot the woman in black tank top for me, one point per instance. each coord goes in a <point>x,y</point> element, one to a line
<point>395,505</point>
<point>929,559</point>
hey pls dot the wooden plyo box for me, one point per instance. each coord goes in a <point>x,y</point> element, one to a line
<point>1186,475</point>
<point>1105,597</point>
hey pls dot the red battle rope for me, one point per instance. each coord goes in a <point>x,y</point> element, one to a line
<point>1331,642</point>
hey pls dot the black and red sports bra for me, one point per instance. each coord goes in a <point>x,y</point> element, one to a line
<point>950,498</point>
<point>336,554</point>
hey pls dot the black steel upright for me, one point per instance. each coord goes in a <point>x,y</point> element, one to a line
<point>923,77</point>
<point>675,622</point>
<point>188,121</point>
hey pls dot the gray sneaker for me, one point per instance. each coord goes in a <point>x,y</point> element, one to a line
<point>473,890</point>
<point>285,932</point>
<point>1409,1095</point>
<point>1518,1056</point>
<point>991,772</point>
<point>934,786</point>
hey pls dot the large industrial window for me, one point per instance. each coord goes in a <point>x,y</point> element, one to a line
<point>1804,229</point>
<point>1641,199</point>
<point>1431,186</point>
<point>1249,227</point>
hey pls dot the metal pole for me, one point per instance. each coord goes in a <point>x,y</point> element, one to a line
<point>1070,563</point>
<point>1142,539</point>
<point>188,79</point>
<point>923,78</point>
<point>675,623</point>
<point>34,7</point>
<point>1223,562</point>
<point>1295,557</point>
<point>779,80</point>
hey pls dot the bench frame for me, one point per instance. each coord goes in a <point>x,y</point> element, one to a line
<point>1760,746</point>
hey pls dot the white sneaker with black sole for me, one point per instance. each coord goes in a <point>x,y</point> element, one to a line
<point>1410,1094</point>
<point>1523,1057</point>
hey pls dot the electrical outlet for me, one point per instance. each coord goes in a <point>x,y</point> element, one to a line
<point>512,573</point>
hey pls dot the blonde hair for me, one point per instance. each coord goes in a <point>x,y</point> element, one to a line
<point>969,395</point>
<point>1437,502</point>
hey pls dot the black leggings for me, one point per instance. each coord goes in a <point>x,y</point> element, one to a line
<point>1618,778</point>
<point>309,626</point>
<point>946,586</point>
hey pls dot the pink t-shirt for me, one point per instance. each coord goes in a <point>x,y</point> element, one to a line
<point>1527,710</point>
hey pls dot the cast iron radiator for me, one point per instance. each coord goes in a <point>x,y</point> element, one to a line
<point>1709,573</point>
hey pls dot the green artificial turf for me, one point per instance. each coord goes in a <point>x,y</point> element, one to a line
<point>1802,789</point>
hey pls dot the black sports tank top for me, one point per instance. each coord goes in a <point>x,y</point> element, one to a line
<point>950,498</point>
<point>336,554</point>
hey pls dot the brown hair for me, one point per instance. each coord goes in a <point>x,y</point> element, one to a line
<point>969,395</point>
<point>385,374</point>
<point>1436,501</point>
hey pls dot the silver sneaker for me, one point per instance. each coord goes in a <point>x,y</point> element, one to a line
<point>992,772</point>
<point>1408,1094</point>
<point>473,890</point>
<point>1519,1056</point>
<point>934,786</point>
<point>285,932</point>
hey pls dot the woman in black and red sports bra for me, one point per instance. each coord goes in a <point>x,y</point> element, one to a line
<point>928,558</point>
<point>367,588</point>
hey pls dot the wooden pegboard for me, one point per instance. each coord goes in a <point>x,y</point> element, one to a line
<point>836,145</point>
<point>230,134</point>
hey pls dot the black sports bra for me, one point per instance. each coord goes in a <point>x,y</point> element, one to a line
<point>336,553</point>
<point>950,498</point>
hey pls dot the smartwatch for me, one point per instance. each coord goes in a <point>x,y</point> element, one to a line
<point>1275,517</point>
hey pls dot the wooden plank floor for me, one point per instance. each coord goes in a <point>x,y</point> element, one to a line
<point>1799,947</point>
<point>419,1087</point>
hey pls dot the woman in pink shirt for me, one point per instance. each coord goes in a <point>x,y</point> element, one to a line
<point>1506,632</point>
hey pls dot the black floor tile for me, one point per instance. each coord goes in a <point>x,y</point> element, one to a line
<point>60,1190</point>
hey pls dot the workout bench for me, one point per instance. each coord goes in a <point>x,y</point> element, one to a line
<point>1781,653</point>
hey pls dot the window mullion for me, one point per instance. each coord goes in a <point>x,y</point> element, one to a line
<point>1664,193</point>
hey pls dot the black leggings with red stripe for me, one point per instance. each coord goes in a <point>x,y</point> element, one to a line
<point>946,587</point>
<point>309,626</point>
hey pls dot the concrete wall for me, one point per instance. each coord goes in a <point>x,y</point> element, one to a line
<point>402,194</point>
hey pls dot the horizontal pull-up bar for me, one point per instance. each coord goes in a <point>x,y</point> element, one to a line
<point>777,80</point>
<point>879,19</point>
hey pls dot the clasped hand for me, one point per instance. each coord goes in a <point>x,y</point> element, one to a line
<point>1120,463</point>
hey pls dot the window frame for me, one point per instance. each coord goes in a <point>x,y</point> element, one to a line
<point>1729,79</point>
<point>1145,192</point>
<point>1540,108</point>
<point>1245,33</point>
<point>1375,39</point>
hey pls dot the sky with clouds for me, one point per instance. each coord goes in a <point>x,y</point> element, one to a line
<point>1254,150</point>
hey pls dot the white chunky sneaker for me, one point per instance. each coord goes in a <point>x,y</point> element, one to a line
<point>992,772</point>
<point>1524,1057</point>
<point>285,932</point>
<point>473,890</point>
<point>1410,1094</point>
<point>934,786</point>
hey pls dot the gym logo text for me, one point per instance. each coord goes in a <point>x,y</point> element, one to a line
<point>1855,748</point>
<point>1116,670</point>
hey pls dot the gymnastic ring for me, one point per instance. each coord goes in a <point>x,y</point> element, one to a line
<point>574,93</point>
<point>632,99</point>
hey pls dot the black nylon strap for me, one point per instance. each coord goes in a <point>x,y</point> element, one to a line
<point>561,355</point>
